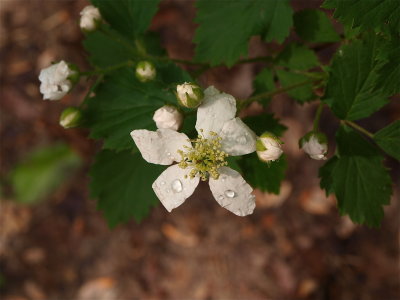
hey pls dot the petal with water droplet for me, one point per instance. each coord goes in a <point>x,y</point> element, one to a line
<point>243,202</point>
<point>172,188</point>
<point>216,109</point>
<point>160,147</point>
<point>237,138</point>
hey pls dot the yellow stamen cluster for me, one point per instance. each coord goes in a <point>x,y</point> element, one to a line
<point>205,158</point>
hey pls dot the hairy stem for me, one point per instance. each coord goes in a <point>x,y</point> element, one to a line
<point>318,116</point>
<point>358,128</point>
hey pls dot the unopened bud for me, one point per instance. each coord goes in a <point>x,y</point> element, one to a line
<point>268,147</point>
<point>57,80</point>
<point>145,71</point>
<point>168,117</point>
<point>315,145</point>
<point>189,95</point>
<point>71,117</point>
<point>90,18</point>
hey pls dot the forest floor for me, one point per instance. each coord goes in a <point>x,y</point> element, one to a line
<point>294,246</point>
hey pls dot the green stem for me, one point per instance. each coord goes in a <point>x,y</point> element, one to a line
<point>108,69</point>
<point>359,128</point>
<point>244,103</point>
<point>318,116</point>
<point>92,89</point>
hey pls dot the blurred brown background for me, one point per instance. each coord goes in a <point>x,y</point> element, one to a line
<point>295,245</point>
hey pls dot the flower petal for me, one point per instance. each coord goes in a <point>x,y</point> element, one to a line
<point>172,188</point>
<point>160,147</point>
<point>216,109</point>
<point>232,192</point>
<point>237,138</point>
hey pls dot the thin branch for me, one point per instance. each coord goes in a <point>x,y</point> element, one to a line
<point>242,104</point>
<point>359,128</point>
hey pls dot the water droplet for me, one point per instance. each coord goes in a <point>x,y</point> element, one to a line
<point>162,182</point>
<point>223,178</point>
<point>168,191</point>
<point>169,153</point>
<point>241,140</point>
<point>221,197</point>
<point>177,186</point>
<point>230,194</point>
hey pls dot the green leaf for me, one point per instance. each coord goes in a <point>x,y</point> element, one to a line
<point>351,91</point>
<point>276,20</point>
<point>265,122</point>
<point>233,163</point>
<point>42,172</point>
<point>129,17</point>
<point>389,73</point>
<point>388,139</point>
<point>225,27</point>
<point>313,25</point>
<point>122,104</point>
<point>369,14</point>
<point>357,177</point>
<point>302,93</point>
<point>297,57</point>
<point>106,47</point>
<point>264,81</point>
<point>325,173</point>
<point>122,184</point>
<point>104,51</point>
<point>265,176</point>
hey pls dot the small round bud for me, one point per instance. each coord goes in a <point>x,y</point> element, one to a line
<point>268,147</point>
<point>315,144</point>
<point>145,71</point>
<point>168,117</point>
<point>71,117</point>
<point>90,18</point>
<point>189,95</point>
<point>57,80</point>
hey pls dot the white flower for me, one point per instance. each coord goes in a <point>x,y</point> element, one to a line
<point>145,71</point>
<point>168,117</point>
<point>220,135</point>
<point>189,95</point>
<point>55,81</point>
<point>71,117</point>
<point>315,145</point>
<point>90,17</point>
<point>268,147</point>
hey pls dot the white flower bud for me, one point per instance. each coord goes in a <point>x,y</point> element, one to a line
<point>315,145</point>
<point>168,117</point>
<point>71,117</point>
<point>56,80</point>
<point>189,95</point>
<point>268,147</point>
<point>145,71</point>
<point>90,18</point>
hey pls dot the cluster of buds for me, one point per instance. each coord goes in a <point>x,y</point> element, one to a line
<point>315,144</point>
<point>268,147</point>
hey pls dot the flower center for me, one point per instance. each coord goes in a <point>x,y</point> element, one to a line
<point>205,158</point>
